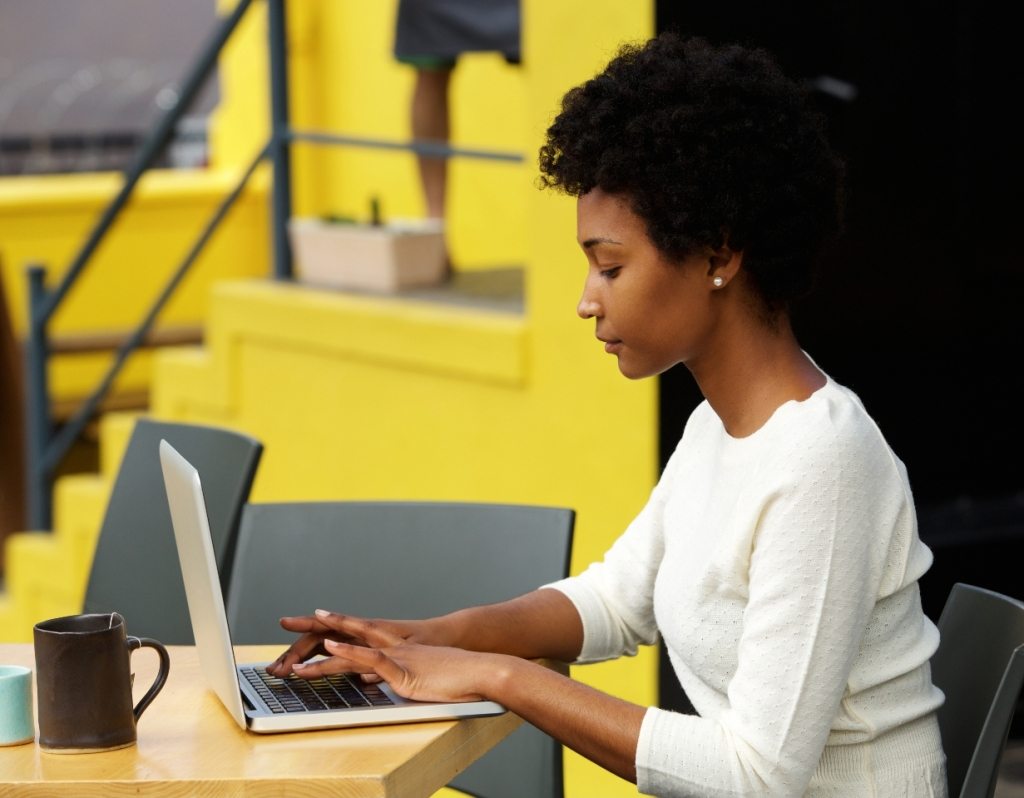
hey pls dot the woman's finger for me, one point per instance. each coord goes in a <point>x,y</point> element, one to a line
<point>370,632</point>
<point>333,664</point>
<point>312,630</point>
<point>308,645</point>
<point>367,660</point>
<point>304,624</point>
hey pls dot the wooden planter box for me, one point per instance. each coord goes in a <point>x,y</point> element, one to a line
<point>382,258</point>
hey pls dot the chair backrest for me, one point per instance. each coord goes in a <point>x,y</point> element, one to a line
<point>404,560</point>
<point>980,667</point>
<point>135,569</point>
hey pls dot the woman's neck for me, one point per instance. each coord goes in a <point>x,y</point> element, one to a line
<point>753,373</point>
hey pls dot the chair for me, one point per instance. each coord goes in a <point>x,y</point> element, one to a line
<point>404,560</point>
<point>135,569</point>
<point>980,667</point>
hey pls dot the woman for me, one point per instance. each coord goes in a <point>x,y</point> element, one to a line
<point>778,557</point>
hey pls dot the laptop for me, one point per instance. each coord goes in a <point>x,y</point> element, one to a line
<point>257,701</point>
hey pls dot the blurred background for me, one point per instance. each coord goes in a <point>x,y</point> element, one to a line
<point>81,83</point>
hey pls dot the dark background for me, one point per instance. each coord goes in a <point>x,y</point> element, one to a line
<point>918,307</point>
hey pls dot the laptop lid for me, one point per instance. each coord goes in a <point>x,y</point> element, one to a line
<point>202,582</point>
<point>213,638</point>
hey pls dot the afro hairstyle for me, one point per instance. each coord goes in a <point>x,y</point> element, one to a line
<point>711,146</point>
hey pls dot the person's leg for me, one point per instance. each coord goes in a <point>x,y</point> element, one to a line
<point>430,122</point>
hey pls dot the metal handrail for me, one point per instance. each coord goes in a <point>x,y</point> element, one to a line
<point>434,149</point>
<point>44,449</point>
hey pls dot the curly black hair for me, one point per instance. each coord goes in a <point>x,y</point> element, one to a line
<point>710,145</point>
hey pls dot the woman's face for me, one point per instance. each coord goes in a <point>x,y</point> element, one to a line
<point>651,313</point>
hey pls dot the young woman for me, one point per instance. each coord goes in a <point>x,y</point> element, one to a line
<point>777,559</point>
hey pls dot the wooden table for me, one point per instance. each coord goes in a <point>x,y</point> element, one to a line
<point>189,745</point>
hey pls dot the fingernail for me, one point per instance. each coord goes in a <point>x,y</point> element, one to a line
<point>298,666</point>
<point>334,643</point>
<point>322,613</point>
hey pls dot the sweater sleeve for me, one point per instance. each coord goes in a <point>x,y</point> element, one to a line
<point>815,566</point>
<point>615,597</point>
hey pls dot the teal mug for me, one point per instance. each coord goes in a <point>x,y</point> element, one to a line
<point>16,722</point>
<point>84,683</point>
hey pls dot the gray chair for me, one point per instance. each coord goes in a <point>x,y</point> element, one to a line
<point>135,569</point>
<point>404,560</point>
<point>980,667</point>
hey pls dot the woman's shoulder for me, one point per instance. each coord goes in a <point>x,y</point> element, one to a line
<point>833,412</point>
<point>829,427</point>
<point>832,424</point>
<point>837,410</point>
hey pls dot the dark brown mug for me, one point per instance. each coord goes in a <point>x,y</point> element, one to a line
<point>84,683</point>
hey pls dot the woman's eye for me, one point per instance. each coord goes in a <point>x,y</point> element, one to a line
<point>610,273</point>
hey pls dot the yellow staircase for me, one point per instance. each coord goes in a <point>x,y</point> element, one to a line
<point>46,572</point>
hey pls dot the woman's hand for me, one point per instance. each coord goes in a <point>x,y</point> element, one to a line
<point>388,650</point>
<point>313,631</point>
<point>541,624</point>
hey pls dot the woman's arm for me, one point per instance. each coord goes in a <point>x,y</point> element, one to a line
<point>601,727</point>
<point>540,624</point>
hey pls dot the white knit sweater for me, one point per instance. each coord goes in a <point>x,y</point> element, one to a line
<point>781,572</point>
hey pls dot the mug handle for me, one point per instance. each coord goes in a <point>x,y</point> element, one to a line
<point>161,678</point>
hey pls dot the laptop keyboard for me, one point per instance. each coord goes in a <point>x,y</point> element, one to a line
<point>338,691</point>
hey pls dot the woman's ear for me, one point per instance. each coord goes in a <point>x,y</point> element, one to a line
<point>723,265</point>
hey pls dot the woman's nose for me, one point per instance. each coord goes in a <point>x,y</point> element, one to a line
<point>588,307</point>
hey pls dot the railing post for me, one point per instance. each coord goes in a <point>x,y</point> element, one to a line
<point>37,404</point>
<point>280,149</point>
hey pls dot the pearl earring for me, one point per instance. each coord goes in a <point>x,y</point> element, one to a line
<point>719,281</point>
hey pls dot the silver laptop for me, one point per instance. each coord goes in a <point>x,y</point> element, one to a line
<point>257,701</point>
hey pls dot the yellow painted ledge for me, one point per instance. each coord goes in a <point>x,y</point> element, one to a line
<point>466,343</point>
<point>399,332</point>
<point>30,194</point>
